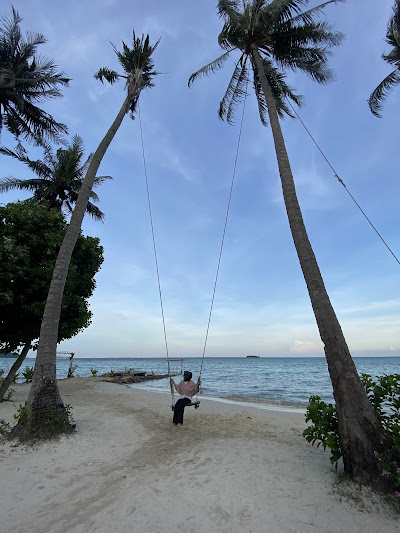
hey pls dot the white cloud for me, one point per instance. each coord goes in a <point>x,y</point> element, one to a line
<point>304,347</point>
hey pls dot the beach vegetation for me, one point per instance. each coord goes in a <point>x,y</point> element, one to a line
<point>27,374</point>
<point>26,78</point>
<point>384,395</point>
<point>30,236</point>
<point>393,58</point>
<point>59,177</point>
<point>94,371</point>
<point>53,422</point>
<point>138,73</point>
<point>268,38</point>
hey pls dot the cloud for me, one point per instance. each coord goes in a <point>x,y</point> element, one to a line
<point>304,347</point>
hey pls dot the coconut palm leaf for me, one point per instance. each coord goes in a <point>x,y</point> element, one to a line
<point>25,80</point>
<point>210,68</point>
<point>379,94</point>
<point>60,177</point>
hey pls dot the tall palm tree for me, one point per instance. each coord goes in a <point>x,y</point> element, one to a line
<point>25,79</point>
<point>393,57</point>
<point>271,36</point>
<point>60,177</point>
<point>138,73</point>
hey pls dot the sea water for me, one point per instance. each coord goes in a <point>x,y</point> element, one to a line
<point>280,380</point>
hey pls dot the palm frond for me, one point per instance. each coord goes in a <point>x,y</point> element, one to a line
<point>307,16</point>
<point>107,74</point>
<point>280,10</point>
<point>10,183</point>
<point>210,68</point>
<point>377,97</point>
<point>235,92</point>
<point>230,9</point>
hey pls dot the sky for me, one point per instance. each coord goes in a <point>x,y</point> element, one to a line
<point>261,303</point>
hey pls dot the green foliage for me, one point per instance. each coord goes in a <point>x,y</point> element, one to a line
<point>324,428</point>
<point>285,38</point>
<point>53,422</point>
<point>384,395</point>
<point>59,177</point>
<point>94,371</point>
<point>28,374</point>
<point>112,372</point>
<point>16,377</point>
<point>9,395</point>
<point>30,237</point>
<point>26,79</point>
<point>134,61</point>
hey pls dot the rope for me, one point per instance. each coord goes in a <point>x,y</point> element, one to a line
<point>342,182</point>
<point>152,233</point>
<point>223,235</point>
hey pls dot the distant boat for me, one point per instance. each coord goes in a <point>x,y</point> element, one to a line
<point>253,356</point>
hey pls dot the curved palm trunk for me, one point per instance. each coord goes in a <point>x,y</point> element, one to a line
<point>360,432</point>
<point>13,370</point>
<point>44,393</point>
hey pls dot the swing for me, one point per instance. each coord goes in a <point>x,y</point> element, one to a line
<point>196,403</point>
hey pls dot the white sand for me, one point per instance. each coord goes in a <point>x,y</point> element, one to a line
<point>229,469</point>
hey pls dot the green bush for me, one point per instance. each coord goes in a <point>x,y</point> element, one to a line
<point>94,371</point>
<point>28,374</point>
<point>384,395</point>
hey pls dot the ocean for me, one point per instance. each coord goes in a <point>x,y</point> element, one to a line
<point>279,380</point>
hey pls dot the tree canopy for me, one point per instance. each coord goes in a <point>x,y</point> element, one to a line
<point>27,78</point>
<point>59,176</point>
<point>393,58</point>
<point>30,237</point>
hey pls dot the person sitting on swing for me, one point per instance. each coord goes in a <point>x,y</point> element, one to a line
<point>187,389</point>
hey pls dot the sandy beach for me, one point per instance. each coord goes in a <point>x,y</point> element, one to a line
<point>229,468</point>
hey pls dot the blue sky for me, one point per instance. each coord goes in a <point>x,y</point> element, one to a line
<point>261,304</point>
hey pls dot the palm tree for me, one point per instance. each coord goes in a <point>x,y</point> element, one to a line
<point>138,73</point>
<point>271,36</point>
<point>393,57</point>
<point>25,79</point>
<point>60,177</point>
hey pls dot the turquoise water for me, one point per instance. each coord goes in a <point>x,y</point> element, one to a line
<point>282,380</point>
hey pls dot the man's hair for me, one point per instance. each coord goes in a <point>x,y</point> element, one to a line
<point>187,376</point>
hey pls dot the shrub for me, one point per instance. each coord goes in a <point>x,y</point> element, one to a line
<point>384,395</point>
<point>28,374</point>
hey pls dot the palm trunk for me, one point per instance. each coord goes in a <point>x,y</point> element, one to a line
<point>44,393</point>
<point>360,432</point>
<point>14,369</point>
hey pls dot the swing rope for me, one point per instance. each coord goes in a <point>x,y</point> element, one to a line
<point>223,234</point>
<point>222,242</point>
<point>342,182</point>
<point>152,233</point>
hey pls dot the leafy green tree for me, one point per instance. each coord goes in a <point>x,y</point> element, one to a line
<point>138,74</point>
<point>393,58</point>
<point>30,237</point>
<point>27,78</point>
<point>272,36</point>
<point>60,177</point>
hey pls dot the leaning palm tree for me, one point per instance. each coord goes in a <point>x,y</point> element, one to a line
<point>393,57</point>
<point>60,177</point>
<point>25,79</point>
<point>271,36</point>
<point>44,394</point>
